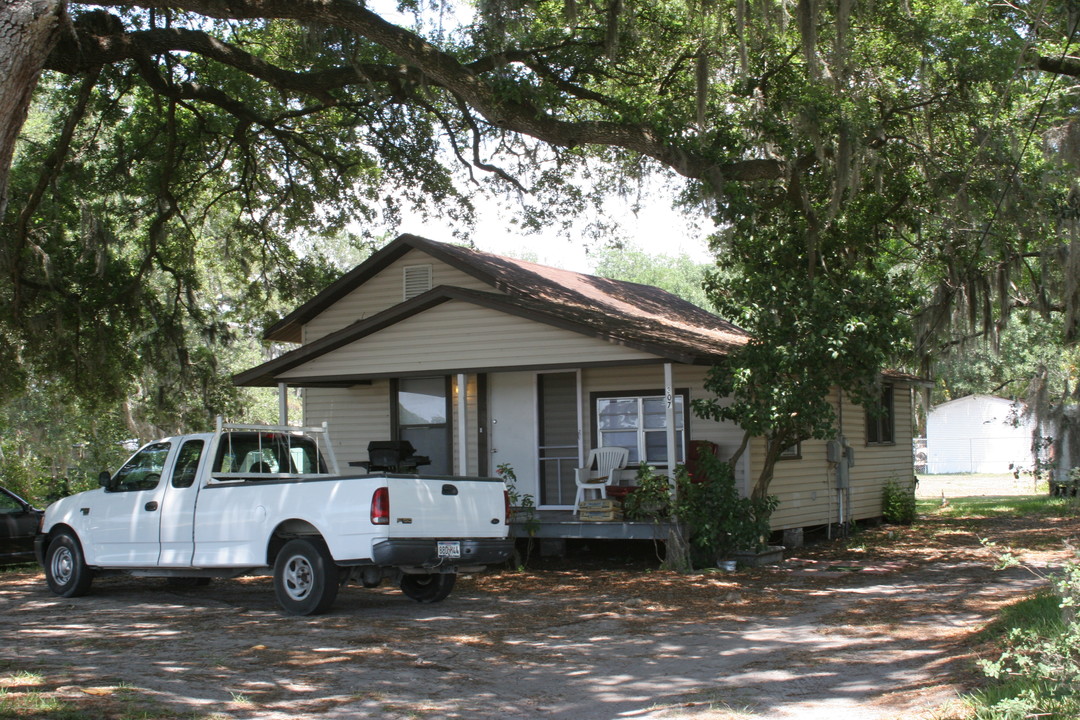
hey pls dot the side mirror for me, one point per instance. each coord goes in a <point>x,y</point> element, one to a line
<point>104,479</point>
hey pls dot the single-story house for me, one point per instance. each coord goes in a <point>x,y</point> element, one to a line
<point>481,361</point>
<point>978,434</point>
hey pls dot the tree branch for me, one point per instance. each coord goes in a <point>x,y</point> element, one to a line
<point>444,70</point>
<point>1059,65</point>
<point>90,49</point>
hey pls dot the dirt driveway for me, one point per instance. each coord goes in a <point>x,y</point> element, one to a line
<point>876,627</point>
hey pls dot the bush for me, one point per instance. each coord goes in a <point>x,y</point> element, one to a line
<point>898,502</point>
<point>651,498</point>
<point>717,520</point>
<point>1038,673</point>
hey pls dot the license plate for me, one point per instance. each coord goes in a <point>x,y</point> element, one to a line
<point>449,548</point>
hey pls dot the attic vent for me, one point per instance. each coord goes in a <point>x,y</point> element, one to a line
<point>417,280</point>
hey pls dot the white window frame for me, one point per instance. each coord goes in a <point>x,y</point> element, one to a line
<point>682,397</point>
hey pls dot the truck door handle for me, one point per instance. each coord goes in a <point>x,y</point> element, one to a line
<point>151,506</point>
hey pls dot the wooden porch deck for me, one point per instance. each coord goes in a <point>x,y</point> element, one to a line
<point>564,524</point>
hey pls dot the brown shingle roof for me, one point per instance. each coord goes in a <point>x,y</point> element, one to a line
<point>613,305</point>
<point>636,315</point>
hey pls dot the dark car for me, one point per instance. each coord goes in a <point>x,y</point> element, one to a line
<point>18,525</point>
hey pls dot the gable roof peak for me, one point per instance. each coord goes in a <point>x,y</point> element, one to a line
<point>623,302</point>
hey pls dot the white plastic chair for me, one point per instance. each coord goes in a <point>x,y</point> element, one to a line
<point>609,462</point>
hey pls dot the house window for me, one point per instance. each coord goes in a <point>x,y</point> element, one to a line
<point>422,416</point>
<point>416,280</point>
<point>639,424</point>
<point>880,420</point>
<point>792,452</point>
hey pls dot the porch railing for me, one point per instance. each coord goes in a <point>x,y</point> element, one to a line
<point>563,466</point>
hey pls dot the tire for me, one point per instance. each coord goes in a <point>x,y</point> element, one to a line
<point>305,577</point>
<point>66,571</point>
<point>428,588</point>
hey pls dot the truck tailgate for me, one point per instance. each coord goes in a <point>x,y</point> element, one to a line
<point>446,507</point>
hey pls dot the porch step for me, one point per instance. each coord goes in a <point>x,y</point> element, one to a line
<point>600,515</point>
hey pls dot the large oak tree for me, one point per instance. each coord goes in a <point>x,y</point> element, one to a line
<point>878,168</point>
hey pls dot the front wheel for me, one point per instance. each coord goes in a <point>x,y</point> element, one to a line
<point>428,588</point>
<point>305,577</point>
<point>65,569</point>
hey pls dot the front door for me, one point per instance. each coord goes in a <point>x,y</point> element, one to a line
<point>125,524</point>
<point>18,525</point>
<point>535,430</point>
<point>512,435</point>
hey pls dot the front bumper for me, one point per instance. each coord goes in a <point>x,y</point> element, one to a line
<point>423,552</point>
<point>39,548</point>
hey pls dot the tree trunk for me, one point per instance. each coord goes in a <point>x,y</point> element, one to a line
<point>772,455</point>
<point>677,549</point>
<point>28,31</point>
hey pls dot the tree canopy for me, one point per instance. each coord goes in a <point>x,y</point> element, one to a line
<point>887,175</point>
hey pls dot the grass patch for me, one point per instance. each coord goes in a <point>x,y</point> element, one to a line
<point>30,695</point>
<point>1040,614</point>
<point>1000,506</point>
<point>28,566</point>
<point>1037,673</point>
<point>37,705</point>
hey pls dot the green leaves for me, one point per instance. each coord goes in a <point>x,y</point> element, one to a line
<point>869,164</point>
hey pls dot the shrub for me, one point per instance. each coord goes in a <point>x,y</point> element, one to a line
<point>717,520</point>
<point>651,498</point>
<point>898,502</point>
<point>1038,674</point>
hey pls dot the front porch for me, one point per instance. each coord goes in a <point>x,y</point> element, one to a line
<point>563,524</point>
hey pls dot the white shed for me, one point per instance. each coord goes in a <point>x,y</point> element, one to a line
<point>978,434</point>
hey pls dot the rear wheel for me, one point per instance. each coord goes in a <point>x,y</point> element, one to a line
<point>305,577</point>
<point>66,571</point>
<point>428,588</point>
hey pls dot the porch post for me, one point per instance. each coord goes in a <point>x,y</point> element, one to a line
<point>669,407</point>
<point>462,426</point>
<point>283,403</point>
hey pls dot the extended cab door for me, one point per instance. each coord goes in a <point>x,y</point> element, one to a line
<point>125,520</point>
<point>177,515</point>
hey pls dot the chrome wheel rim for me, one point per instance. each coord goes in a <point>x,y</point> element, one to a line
<point>299,577</point>
<point>63,565</point>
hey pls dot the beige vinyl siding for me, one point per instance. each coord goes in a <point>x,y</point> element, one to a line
<point>806,487</point>
<point>356,416</point>
<point>456,335</point>
<point>384,291</point>
<point>651,377</point>
<point>875,465</point>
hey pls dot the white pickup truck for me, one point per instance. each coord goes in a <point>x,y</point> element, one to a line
<point>256,500</point>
